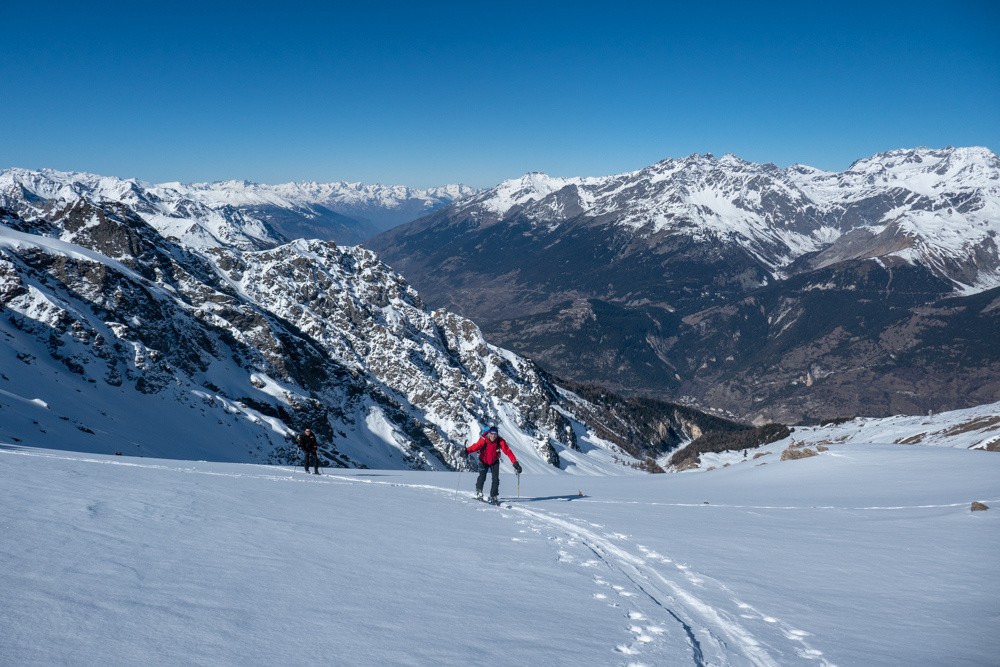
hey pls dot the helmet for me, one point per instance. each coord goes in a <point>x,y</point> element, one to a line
<point>489,429</point>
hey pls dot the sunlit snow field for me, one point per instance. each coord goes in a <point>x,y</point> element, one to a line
<point>863,555</point>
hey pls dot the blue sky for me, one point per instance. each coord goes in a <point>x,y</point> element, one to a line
<point>476,92</point>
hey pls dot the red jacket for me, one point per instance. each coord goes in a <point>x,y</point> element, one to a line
<point>489,452</point>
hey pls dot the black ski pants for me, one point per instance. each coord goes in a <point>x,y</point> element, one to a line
<point>312,458</point>
<point>494,484</point>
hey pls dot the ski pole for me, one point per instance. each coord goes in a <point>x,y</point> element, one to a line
<point>518,485</point>
<point>459,480</point>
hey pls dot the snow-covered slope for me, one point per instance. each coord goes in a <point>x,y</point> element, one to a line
<point>936,208</point>
<point>975,428</point>
<point>863,555</point>
<point>226,213</point>
<point>939,208</point>
<point>118,339</point>
<point>383,205</point>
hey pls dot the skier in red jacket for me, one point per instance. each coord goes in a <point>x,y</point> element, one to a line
<point>489,446</point>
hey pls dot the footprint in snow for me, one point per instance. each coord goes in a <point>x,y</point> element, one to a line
<point>624,593</point>
<point>744,607</point>
<point>652,555</point>
<point>810,654</point>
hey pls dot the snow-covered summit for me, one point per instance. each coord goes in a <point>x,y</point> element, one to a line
<point>518,192</point>
<point>66,186</point>
<point>935,207</point>
<point>341,194</point>
<point>344,212</point>
<point>922,171</point>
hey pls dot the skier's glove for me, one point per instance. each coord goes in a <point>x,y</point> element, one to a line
<point>517,467</point>
<point>463,452</point>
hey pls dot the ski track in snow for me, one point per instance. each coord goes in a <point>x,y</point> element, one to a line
<point>706,629</point>
<point>715,635</point>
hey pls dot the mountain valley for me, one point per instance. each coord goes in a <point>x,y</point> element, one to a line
<point>773,294</point>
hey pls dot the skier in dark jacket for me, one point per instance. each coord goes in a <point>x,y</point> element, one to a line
<point>309,446</point>
<point>489,446</point>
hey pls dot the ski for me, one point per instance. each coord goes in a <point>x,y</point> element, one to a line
<point>498,503</point>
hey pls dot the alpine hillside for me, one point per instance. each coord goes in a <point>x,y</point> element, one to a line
<point>210,337</point>
<point>342,212</point>
<point>786,294</point>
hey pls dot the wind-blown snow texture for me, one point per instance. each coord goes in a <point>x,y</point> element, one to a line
<point>867,554</point>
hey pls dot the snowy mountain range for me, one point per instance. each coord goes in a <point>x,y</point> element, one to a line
<point>189,340</point>
<point>934,208</point>
<point>739,285</point>
<point>161,354</point>
<point>241,213</point>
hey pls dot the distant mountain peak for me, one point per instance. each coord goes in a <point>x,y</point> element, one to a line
<point>730,281</point>
<point>343,212</point>
<point>923,158</point>
<point>779,215</point>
